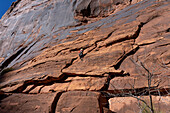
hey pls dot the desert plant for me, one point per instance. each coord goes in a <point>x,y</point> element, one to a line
<point>149,73</point>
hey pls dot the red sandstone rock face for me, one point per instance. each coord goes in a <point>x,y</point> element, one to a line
<point>40,43</point>
<point>124,104</point>
<point>80,101</point>
<point>20,103</point>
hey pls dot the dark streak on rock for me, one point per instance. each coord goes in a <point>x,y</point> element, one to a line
<point>168,30</point>
<point>110,77</point>
<point>28,49</point>
<point>117,64</point>
<point>69,64</point>
<point>6,62</point>
<point>13,5</point>
<point>54,103</point>
<point>134,36</point>
<point>136,92</point>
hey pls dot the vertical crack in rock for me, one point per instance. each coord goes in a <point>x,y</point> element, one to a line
<point>55,101</point>
<point>110,76</point>
<point>117,64</point>
<point>100,104</point>
<point>119,61</point>
<point>104,103</point>
<point>134,36</point>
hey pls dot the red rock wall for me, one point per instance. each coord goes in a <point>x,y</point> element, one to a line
<point>39,55</point>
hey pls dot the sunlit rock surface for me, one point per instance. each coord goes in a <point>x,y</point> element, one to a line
<point>123,42</point>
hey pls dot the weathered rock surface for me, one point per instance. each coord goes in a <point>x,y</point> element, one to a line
<point>124,104</point>
<point>81,101</point>
<point>22,103</point>
<point>123,41</point>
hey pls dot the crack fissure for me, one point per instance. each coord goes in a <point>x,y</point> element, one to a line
<point>69,64</point>
<point>54,103</point>
<point>134,36</point>
<point>136,92</point>
<point>27,49</point>
<point>118,63</point>
<point>6,62</point>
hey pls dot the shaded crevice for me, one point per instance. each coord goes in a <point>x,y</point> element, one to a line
<point>3,95</point>
<point>39,64</point>
<point>55,101</point>
<point>11,58</point>
<point>33,87</point>
<point>34,65</point>
<point>15,55</point>
<point>69,64</point>
<point>61,51</point>
<point>134,36</point>
<point>104,104</point>
<point>86,12</point>
<point>164,31</point>
<point>40,89</point>
<point>136,92</point>
<point>163,45</point>
<point>66,75</point>
<point>73,109</point>
<point>101,103</point>
<point>117,64</point>
<point>168,30</point>
<point>48,80</point>
<point>119,61</point>
<point>103,39</point>
<point>28,49</point>
<point>145,44</point>
<point>110,77</point>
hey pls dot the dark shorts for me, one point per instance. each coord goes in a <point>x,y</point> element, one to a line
<point>81,55</point>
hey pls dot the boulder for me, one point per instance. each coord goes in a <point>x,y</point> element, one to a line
<point>19,103</point>
<point>80,101</point>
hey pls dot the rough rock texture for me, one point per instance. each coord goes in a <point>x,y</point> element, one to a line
<point>124,104</point>
<point>123,42</point>
<point>81,101</point>
<point>22,103</point>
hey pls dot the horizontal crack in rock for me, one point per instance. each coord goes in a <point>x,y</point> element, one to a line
<point>136,92</point>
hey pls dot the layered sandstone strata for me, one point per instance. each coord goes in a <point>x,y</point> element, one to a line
<point>123,41</point>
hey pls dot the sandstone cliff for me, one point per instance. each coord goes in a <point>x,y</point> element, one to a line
<point>42,72</point>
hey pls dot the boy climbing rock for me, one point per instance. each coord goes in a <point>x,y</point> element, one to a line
<point>81,55</point>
